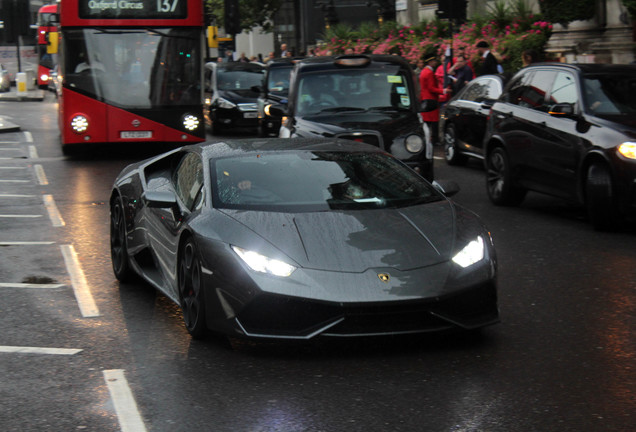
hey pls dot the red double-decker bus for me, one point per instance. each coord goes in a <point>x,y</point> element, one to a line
<point>47,56</point>
<point>132,71</point>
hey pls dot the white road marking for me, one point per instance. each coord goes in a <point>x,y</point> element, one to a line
<point>38,350</point>
<point>14,181</point>
<point>28,137</point>
<point>16,196</point>
<point>31,285</point>
<point>54,213</point>
<point>10,149</point>
<point>33,152</point>
<point>20,216</point>
<point>25,243</point>
<point>125,406</point>
<point>13,168</point>
<point>78,281</point>
<point>41,175</point>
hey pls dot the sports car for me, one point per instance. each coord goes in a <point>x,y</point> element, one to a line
<point>300,238</point>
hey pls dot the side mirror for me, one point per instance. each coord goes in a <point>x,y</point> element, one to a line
<point>447,187</point>
<point>159,199</point>
<point>276,111</point>
<point>562,110</point>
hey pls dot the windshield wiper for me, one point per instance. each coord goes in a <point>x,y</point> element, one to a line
<point>387,108</point>
<point>339,109</point>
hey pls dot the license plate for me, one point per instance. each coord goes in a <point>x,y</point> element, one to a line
<point>250,115</point>
<point>135,134</point>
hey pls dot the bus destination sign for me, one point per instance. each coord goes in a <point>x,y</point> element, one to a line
<point>133,9</point>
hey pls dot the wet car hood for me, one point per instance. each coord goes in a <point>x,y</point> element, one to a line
<point>393,122</point>
<point>624,123</point>
<point>353,241</point>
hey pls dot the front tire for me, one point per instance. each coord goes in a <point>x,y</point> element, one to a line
<point>452,154</point>
<point>191,293</point>
<point>499,180</point>
<point>600,201</point>
<point>118,246</point>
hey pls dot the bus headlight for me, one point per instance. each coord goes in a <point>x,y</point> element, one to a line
<point>414,143</point>
<point>44,78</point>
<point>190,122</point>
<point>79,123</point>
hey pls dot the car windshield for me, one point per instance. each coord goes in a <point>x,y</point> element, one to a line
<point>239,79</point>
<point>353,90</point>
<point>278,80</point>
<point>610,94</point>
<point>316,181</point>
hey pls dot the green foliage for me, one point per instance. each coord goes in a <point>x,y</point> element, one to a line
<point>253,13</point>
<point>499,13</point>
<point>631,6</point>
<point>566,11</point>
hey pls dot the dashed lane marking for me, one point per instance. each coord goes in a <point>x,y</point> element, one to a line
<point>33,152</point>
<point>41,176</point>
<point>54,214</point>
<point>125,406</point>
<point>16,196</point>
<point>31,285</point>
<point>38,350</point>
<point>25,243</point>
<point>83,295</point>
<point>28,137</point>
<point>19,216</point>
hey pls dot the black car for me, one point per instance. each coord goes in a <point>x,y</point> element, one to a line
<point>567,131</point>
<point>231,95</point>
<point>295,239</point>
<point>274,91</point>
<point>463,119</point>
<point>365,98</point>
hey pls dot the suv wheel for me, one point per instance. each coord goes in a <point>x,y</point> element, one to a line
<point>601,205</point>
<point>452,154</point>
<point>499,180</point>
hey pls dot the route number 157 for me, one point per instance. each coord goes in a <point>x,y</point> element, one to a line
<point>167,5</point>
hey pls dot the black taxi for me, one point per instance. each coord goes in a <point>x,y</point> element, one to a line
<point>366,98</point>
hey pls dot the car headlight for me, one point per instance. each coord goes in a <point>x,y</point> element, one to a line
<point>628,149</point>
<point>263,264</point>
<point>190,122</point>
<point>414,143</point>
<point>472,253</point>
<point>225,104</point>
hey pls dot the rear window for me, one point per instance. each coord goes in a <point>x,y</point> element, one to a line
<point>316,181</point>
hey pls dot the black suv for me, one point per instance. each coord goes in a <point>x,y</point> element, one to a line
<point>568,131</point>
<point>365,98</point>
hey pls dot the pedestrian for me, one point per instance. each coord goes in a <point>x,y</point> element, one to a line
<point>243,58</point>
<point>529,56</point>
<point>229,56</point>
<point>460,73</point>
<point>430,91</point>
<point>490,64</point>
<point>283,50</point>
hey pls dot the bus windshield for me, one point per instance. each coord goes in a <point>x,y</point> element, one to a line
<point>135,68</point>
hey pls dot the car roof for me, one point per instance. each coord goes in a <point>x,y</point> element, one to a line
<point>329,62</point>
<point>589,68</point>
<point>237,66</point>
<point>238,147</point>
<point>284,61</point>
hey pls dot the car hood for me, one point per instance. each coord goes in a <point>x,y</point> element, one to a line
<point>353,241</point>
<point>239,96</point>
<point>625,123</point>
<point>392,123</point>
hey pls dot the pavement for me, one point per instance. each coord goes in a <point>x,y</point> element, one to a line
<point>12,95</point>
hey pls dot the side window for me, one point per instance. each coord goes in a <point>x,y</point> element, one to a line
<point>476,92</point>
<point>530,90</point>
<point>564,89</point>
<point>188,181</point>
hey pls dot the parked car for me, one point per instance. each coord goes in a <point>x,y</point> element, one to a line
<point>567,131</point>
<point>298,239</point>
<point>274,91</point>
<point>365,98</point>
<point>463,119</point>
<point>5,79</point>
<point>231,93</point>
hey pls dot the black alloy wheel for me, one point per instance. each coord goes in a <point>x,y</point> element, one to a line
<point>452,154</point>
<point>118,248</point>
<point>499,180</point>
<point>191,290</point>
<point>602,208</point>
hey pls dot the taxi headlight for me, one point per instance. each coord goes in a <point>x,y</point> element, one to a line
<point>628,149</point>
<point>472,253</point>
<point>79,123</point>
<point>190,122</point>
<point>263,264</point>
<point>414,143</point>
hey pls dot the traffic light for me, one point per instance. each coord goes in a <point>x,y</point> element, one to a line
<point>16,17</point>
<point>232,19</point>
<point>452,9</point>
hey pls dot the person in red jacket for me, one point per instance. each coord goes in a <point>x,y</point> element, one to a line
<point>430,88</point>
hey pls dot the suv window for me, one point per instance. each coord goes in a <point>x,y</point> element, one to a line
<point>564,89</point>
<point>530,89</point>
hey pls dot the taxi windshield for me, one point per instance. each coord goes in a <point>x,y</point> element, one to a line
<point>353,90</point>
